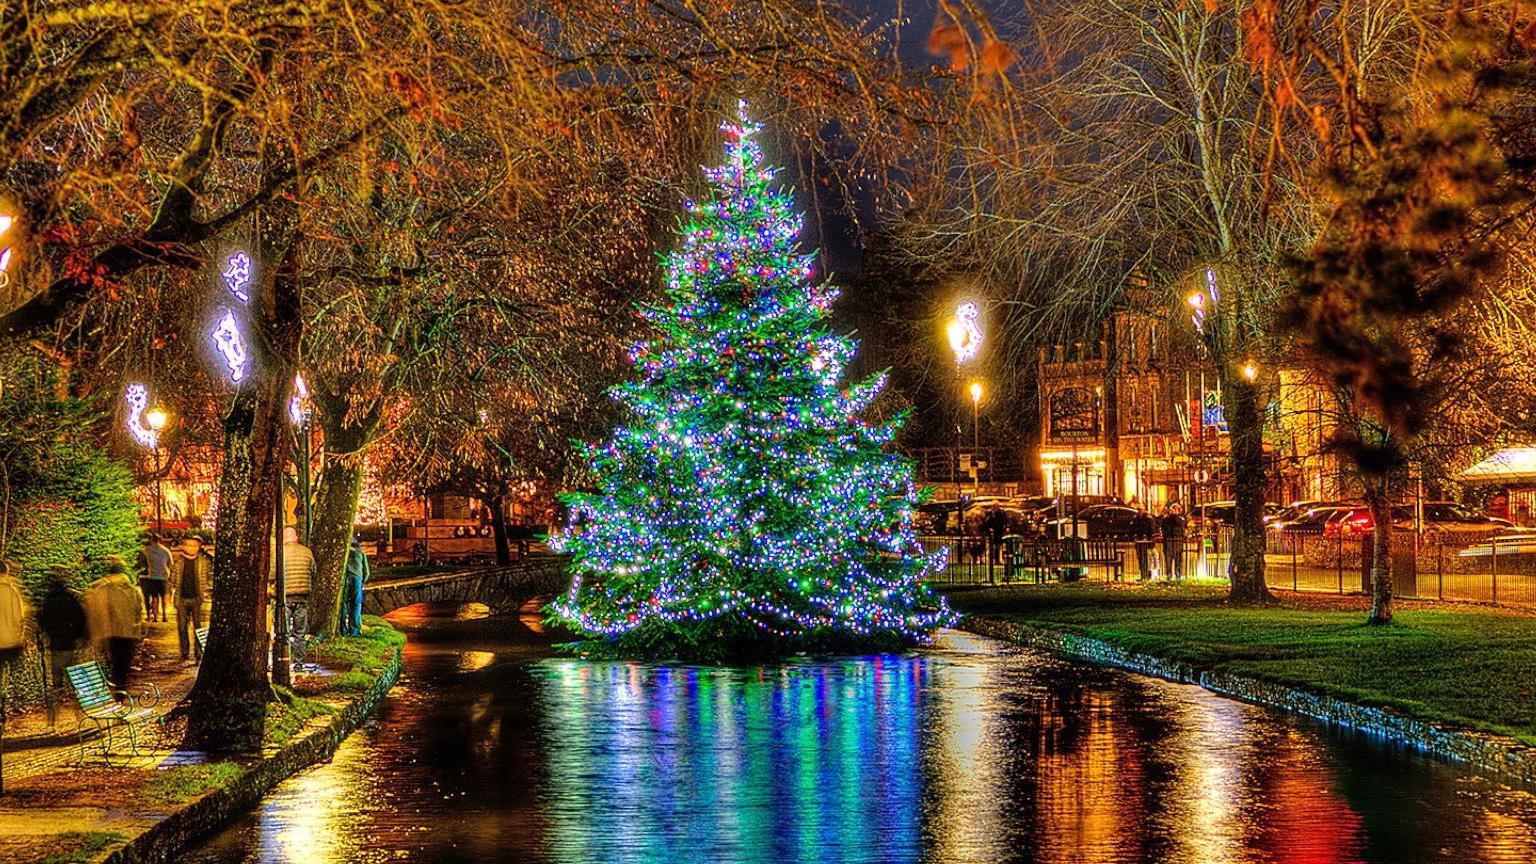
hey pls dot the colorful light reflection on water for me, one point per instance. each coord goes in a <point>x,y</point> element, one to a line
<point>969,753</point>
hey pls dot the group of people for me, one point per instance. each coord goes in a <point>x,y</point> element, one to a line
<point>107,616</point>
<point>1170,526</point>
<point>111,614</point>
<point>184,576</point>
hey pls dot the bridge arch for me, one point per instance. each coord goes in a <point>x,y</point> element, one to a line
<point>503,589</point>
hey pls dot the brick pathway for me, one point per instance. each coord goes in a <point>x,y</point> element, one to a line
<point>31,748</point>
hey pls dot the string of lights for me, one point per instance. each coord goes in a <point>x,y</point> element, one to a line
<point>746,482</point>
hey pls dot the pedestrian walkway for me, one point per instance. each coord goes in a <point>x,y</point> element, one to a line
<point>32,748</point>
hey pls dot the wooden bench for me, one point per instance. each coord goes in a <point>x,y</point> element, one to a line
<point>99,710</point>
<point>1056,555</point>
<point>201,635</point>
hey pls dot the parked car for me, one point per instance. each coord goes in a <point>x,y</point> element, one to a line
<point>1062,505</point>
<point>1113,521</point>
<point>1350,522</point>
<point>1506,545</point>
<point>1450,518</point>
<point>1314,520</point>
<point>1225,512</point>
<point>1295,510</point>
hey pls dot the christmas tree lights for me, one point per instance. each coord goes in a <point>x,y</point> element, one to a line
<point>746,496</point>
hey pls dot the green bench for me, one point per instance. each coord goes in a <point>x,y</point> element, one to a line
<point>100,711</point>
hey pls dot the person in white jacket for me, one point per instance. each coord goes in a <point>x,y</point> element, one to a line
<point>13,624</point>
<point>114,606</point>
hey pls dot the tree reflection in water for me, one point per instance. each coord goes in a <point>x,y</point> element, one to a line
<point>972,752</point>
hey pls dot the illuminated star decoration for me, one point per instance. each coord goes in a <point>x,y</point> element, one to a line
<point>745,486</point>
<point>237,276</point>
<point>6,221</point>
<point>227,341</point>
<point>1197,301</point>
<point>226,335</point>
<point>968,315</point>
<point>137,397</point>
<point>298,404</point>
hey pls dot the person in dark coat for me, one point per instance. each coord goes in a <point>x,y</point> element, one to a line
<point>61,621</point>
<point>1143,535</point>
<point>994,525</point>
<point>1173,528</point>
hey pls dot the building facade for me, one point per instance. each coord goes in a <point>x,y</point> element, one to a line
<point>1138,414</point>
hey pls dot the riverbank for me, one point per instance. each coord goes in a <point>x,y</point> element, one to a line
<point>149,806</point>
<point>1456,681</point>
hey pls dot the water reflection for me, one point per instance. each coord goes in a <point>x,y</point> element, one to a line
<point>785,764</point>
<point>973,752</point>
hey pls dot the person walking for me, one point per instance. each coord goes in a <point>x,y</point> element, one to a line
<point>61,619</point>
<point>194,574</point>
<point>114,608</point>
<point>1173,529</point>
<point>358,572</point>
<point>1143,535</point>
<point>13,625</point>
<point>298,571</point>
<point>155,567</point>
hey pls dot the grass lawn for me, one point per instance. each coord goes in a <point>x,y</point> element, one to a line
<point>1462,665</point>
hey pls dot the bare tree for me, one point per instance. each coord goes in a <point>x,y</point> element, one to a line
<point>1432,167</point>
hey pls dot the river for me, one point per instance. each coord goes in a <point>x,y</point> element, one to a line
<point>495,749</point>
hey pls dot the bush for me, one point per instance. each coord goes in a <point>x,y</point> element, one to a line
<point>83,509</point>
<point>65,499</point>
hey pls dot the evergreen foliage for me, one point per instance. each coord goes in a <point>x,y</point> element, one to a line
<point>746,508</point>
<point>65,500</point>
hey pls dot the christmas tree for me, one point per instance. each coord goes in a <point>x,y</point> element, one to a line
<point>745,507</point>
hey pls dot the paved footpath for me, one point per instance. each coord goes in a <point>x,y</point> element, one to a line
<point>32,748</point>
<point>43,780</point>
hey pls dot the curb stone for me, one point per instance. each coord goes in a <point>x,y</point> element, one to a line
<point>203,815</point>
<point>1498,755</point>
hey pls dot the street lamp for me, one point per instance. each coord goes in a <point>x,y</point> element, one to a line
<point>298,415</point>
<point>146,424</point>
<point>976,431</point>
<point>964,332</point>
<point>1250,371</point>
<point>157,418</point>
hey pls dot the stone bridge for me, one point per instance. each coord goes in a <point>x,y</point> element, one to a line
<point>502,588</point>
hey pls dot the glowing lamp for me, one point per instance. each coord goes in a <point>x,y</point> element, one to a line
<point>298,405</point>
<point>976,391</point>
<point>1250,371</point>
<point>157,418</point>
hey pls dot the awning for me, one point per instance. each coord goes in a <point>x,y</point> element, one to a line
<point>1511,465</point>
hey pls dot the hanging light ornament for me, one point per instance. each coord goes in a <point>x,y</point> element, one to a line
<point>226,337</point>
<point>136,396</point>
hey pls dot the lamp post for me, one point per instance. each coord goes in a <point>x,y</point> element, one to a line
<point>964,333</point>
<point>976,432</point>
<point>157,418</point>
<point>298,416</point>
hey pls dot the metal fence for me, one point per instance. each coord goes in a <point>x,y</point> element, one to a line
<point>1430,566</point>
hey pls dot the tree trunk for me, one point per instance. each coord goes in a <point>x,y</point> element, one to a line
<point>227,705</point>
<point>1245,424</point>
<point>496,504</point>
<point>1378,495</point>
<point>341,483</point>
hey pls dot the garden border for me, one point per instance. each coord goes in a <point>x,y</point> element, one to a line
<point>1494,754</point>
